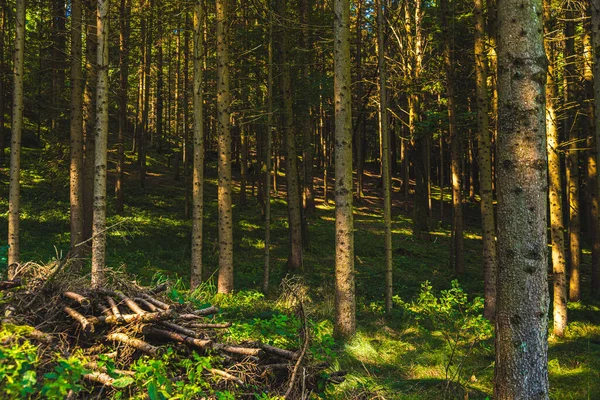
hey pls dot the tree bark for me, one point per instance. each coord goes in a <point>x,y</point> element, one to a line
<point>485,166</point>
<point>101,139</point>
<point>76,166</point>
<point>198,174</point>
<point>345,302</point>
<point>268,158</point>
<point>521,370</point>
<point>225,283</point>
<point>124,25</point>
<point>14,190</point>
<point>293,185</point>
<point>595,11</point>
<point>557,237</point>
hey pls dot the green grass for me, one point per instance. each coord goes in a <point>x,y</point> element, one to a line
<point>393,358</point>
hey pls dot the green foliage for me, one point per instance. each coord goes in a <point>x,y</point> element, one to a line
<point>65,377</point>
<point>3,260</point>
<point>18,377</point>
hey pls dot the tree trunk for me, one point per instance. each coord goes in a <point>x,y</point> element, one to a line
<point>555,186</point>
<point>2,84</point>
<point>14,190</point>
<point>385,158</point>
<point>521,370</point>
<point>595,11</point>
<point>485,166</point>
<point>345,302</point>
<point>124,24</point>
<point>101,138</point>
<point>76,166</point>
<point>457,209</point>
<point>225,284</point>
<point>307,136</point>
<point>198,174</point>
<point>572,133</point>
<point>291,173</point>
<point>360,129</point>
<point>268,158</point>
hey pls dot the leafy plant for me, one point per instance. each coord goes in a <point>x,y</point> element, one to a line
<point>64,378</point>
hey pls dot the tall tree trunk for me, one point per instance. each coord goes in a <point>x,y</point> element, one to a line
<point>307,136</point>
<point>14,190</point>
<point>146,34</point>
<point>485,166</point>
<point>198,174</point>
<point>2,84</point>
<point>385,158</point>
<point>159,84</point>
<point>457,212</point>
<point>124,25</point>
<point>57,61</point>
<point>268,158</point>
<point>225,284</point>
<point>521,370</point>
<point>76,166</point>
<point>557,237</point>
<point>345,301</point>
<point>571,131</point>
<point>595,11</point>
<point>89,117</point>
<point>291,173</point>
<point>360,129</point>
<point>99,226</point>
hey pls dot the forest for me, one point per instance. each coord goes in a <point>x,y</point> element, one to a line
<point>296,199</point>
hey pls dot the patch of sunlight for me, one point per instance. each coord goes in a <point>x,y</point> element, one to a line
<point>441,234</point>
<point>578,305</point>
<point>325,206</point>
<point>419,371</point>
<point>362,349</point>
<point>580,330</point>
<point>403,231</point>
<point>251,242</point>
<point>471,235</point>
<point>328,219</point>
<point>586,251</point>
<point>248,225</point>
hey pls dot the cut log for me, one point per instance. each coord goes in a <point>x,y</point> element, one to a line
<point>113,307</point>
<point>147,304</point>
<point>178,337</point>
<point>154,301</point>
<point>81,300</point>
<point>197,325</point>
<point>99,377</point>
<point>130,303</point>
<point>159,288</point>
<point>227,376</point>
<point>245,351</point>
<point>83,321</point>
<point>207,311</point>
<point>290,355</point>
<point>129,318</point>
<point>180,329</point>
<point>135,343</point>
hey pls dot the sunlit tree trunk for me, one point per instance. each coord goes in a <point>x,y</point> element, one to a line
<point>14,190</point>
<point>146,34</point>
<point>76,166</point>
<point>2,84</point>
<point>557,237</point>
<point>595,11</point>
<point>225,284</point>
<point>198,174</point>
<point>485,166</point>
<point>521,369</point>
<point>572,133</point>
<point>345,302</point>
<point>99,226</point>
<point>124,25</point>
<point>385,159</point>
<point>457,213</point>
<point>306,127</point>
<point>89,116</point>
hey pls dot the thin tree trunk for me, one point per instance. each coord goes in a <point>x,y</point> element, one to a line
<point>521,369</point>
<point>99,226</point>
<point>124,25</point>
<point>485,167</point>
<point>291,173</point>
<point>307,136</point>
<point>385,159</point>
<point>268,150</point>
<point>2,85</point>
<point>572,133</point>
<point>76,165</point>
<point>14,190</point>
<point>225,283</point>
<point>555,186</point>
<point>345,301</point>
<point>198,174</point>
<point>457,212</point>
<point>360,149</point>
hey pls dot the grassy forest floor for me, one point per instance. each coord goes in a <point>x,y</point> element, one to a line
<point>406,356</point>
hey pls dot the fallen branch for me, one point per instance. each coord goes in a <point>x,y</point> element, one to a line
<point>135,343</point>
<point>129,318</point>
<point>113,307</point>
<point>128,302</point>
<point>159,288</point>
<point>81,300</point>
<point>178,337</point>
<point>147,304</point>
<point>86,326</point>
<point>207,311</point>
<point>154,301</point>
<point>100,377</point>
<point>290,355</point>
<point>210,326</point>
<point>180,329</point>
<point>227,376</point>
<point>245,351</point>
<point>10,284</point>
